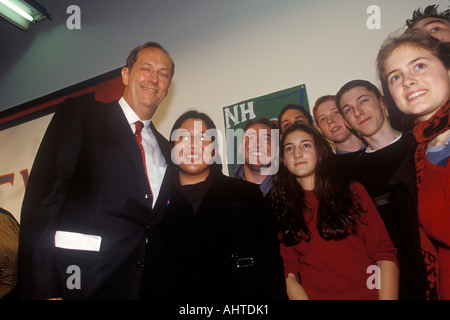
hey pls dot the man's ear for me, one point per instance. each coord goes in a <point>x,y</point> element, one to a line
<point>125,75</point>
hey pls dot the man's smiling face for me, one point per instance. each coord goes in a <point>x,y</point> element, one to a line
<point>147,82</point>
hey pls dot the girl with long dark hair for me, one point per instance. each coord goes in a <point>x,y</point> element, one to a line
<point>333,241</point>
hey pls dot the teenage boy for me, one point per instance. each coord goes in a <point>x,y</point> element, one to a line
<point>332,125</point>
<point>435,24</point>
<point>387,172</point>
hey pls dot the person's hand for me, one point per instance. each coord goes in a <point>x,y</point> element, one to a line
<point>295,290</point>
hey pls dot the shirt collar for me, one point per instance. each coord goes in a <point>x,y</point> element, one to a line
<point>392,142</point>
<point>239,172</point>
<point>131,116</point>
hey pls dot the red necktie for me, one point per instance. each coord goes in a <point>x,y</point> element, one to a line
<point>137,134</point>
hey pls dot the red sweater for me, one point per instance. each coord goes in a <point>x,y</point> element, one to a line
<point>332,270</point>
<point>434,216</point>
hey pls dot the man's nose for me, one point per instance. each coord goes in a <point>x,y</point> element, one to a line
<point>358,111</point>
<point>153,77</point>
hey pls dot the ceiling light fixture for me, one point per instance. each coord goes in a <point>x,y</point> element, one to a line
<point>22,12</point>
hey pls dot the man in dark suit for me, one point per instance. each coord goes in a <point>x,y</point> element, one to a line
<point>94,196</point>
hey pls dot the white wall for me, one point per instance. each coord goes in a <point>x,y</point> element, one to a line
<point>225,51</point>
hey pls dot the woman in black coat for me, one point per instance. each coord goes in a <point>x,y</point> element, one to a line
<point>218,232</point>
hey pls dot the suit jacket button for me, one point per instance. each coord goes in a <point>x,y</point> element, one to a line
<point>140,264</point>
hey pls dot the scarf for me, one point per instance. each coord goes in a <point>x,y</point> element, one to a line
<point>426,131</point>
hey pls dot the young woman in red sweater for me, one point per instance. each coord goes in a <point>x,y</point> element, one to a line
<point>415,70</point>
<point>333,242</point>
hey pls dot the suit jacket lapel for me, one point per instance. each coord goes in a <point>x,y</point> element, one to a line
<point>118,124</point>
<point>164,145</point>
<point>164,198</point>
<point>116,120</point>
<point>164,193</point>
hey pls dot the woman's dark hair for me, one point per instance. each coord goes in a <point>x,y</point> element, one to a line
<point>194,114</point>
<point>339,207</point>
<point>295,107</point>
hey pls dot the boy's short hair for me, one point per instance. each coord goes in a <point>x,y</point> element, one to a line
<point>260,120</point>
<point>353,84</point>
<point>321,100</point>
<point>429,12</point>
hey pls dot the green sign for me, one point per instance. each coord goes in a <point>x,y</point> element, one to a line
<point>268,106</point>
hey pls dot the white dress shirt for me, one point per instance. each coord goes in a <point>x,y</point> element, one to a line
<point>156,165</point>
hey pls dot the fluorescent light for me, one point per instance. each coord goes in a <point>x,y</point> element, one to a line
<point>17,9</point>
<point>22,12</point>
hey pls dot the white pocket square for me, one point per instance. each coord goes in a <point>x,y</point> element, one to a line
<point>77,241</point>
